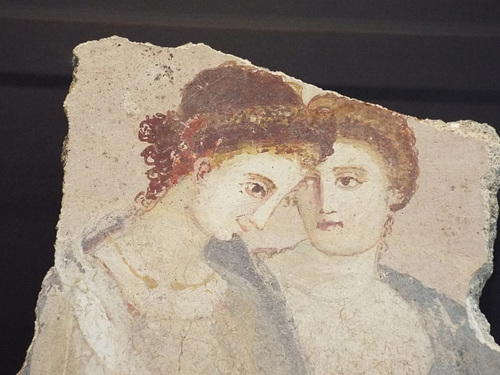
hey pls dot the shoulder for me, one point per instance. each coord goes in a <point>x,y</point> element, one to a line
<point>446,322</point>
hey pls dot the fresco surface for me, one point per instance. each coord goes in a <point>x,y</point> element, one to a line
<point>220,218</point>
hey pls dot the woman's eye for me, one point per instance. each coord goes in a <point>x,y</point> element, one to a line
<point>256,190</point>
<point>347,181</point>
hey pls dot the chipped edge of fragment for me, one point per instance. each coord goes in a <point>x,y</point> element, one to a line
<point>468,128</point>
<point>490,185</point>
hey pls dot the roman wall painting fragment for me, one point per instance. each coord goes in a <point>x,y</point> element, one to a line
<point>219,218</point>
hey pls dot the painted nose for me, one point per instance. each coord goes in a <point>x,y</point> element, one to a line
<point>262,214</point>
<point>328,200</point>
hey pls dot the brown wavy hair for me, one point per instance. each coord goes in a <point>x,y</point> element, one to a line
<point>385,131</point>
<point>223,111</point>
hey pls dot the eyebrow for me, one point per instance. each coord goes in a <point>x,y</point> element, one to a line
<point>270,183</point>
<point>359,171</point>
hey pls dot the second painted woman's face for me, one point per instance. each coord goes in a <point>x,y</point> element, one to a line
<point>241,194</point>
<point>344,203</point>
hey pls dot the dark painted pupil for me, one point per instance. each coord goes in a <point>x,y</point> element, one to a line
<point>258,189</point>
<point>345,180</point>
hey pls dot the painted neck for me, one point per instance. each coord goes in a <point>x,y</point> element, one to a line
<point>339,266</point>
<point>307,268</point>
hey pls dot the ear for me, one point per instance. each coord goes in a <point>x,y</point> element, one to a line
<point>201,167</point>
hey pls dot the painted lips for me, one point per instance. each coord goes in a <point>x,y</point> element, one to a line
<point>324,225</point>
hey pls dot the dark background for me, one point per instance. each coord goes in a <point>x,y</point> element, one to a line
<point>426,58</point>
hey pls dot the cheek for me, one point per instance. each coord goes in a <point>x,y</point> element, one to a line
<point>221,201</point>
<point>307,213</point>
<point>366,207</point>
<point>224,213</point>
<point>308,201</point>
<point>370,199</point>
<point>373,215</point>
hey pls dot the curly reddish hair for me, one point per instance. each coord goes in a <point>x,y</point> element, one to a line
<point>225,110</point>
<point>386,132</point>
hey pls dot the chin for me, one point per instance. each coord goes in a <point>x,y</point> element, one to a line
<point>224,236</point>
<point>340,252</point>
<point>329,248</point>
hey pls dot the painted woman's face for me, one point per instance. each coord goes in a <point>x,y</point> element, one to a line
<point>344,203</point>
<point>241,194</point>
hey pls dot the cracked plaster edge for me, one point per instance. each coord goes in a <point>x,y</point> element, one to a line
<point>490,186</point>
<point>287,78</point>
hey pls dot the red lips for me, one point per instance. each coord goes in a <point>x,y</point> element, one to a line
<point>324,225</point>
